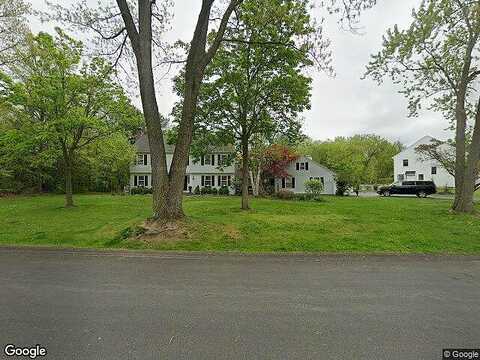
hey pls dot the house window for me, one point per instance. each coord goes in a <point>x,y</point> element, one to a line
<point>222,159</point>
<point>208,181</point>
<point>288,183</point>
<point>224,180</point>
<point>421,177</point>
<point>302,166</point>
<point>142,159</point>
<point>142,181</point>
<point>434,170</point>
<point>208,160</point>
<point>410,174</point>
<point>405,162</point>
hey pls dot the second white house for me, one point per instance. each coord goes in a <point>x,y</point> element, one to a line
<point>410,165</point>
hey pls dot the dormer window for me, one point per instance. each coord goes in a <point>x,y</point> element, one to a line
<point>208,160</point>
<point>142,159</point>
<point>302,166</point>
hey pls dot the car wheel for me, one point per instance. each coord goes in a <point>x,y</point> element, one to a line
<point>386,193</point>
<point>422,194</point>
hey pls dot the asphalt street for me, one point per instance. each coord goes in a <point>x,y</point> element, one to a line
<point>106,305</point>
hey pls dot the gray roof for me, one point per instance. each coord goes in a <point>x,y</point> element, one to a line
<point>142,146</point>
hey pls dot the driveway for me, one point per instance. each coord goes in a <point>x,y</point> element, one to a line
<point>99,305</point>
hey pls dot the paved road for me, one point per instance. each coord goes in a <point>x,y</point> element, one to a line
<point>87,305</point>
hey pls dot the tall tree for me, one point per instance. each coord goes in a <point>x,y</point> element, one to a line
<point>137,26</point>
<point>256,86</point>
<point>65,105</point>
<point>360,159</point>
<point>436,60</point>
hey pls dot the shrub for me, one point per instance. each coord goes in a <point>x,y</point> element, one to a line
<point>303,197</point>
<point>197,190</point>
<point>214,191</point>
<point>224,191</point>
<point>286,195</point>
<point>313,188</point>
<point>140,191</point>
<point>206,190</point>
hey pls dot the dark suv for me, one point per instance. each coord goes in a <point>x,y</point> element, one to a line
<point>419,188</point>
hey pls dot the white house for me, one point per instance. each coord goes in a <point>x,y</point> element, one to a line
<point>303,169</point>
<point>409,165</point>
<point>209,171</point>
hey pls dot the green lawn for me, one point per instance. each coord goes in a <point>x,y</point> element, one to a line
<point>404,225</point>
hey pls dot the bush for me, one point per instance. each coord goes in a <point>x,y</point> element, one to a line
<point>214,191</point>
<point>224,191</point>
<point>313,188</point>
<point>140,191</point>
<point>197,190</point>
<point>206,190</point>
<point>286,195</point>
<point>303,197</point>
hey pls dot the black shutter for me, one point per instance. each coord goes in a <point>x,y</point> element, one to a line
<point>203,180</point>
<point>188,160</point>
<point>146,180</point>
<point>213,159</point>
<point>229,180</point>
<point>203,162</point>
<point>283,182</point>
<point>145,159</point>
<point>219,180</point>
<point>220,160</point>
<point>135,180</point>
<point>298,166</point>
<point>293,183</point>
<point>306,166</point>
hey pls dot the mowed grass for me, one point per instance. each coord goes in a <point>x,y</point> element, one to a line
<point>361,225</point>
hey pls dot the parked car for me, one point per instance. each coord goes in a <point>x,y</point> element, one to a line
<point>419,188</point>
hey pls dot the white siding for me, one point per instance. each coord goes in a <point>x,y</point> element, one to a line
<point>421,167</point>
<point>195,171</point>
<point>301,176</point>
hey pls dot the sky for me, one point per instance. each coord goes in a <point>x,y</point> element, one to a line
<point>343,105</point>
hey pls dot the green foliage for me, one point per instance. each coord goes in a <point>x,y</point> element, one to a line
<point>342,187</point>
<point>13,27</point>
<point>197,190</point>
<point>224,191</point>
<point>140,191</point>
<point>60,112</point>
<point>360,159</point>
<point>432,58</point>
<point>257,84</point>
<point>314,188</point>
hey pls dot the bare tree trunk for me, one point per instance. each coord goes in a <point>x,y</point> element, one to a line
<point>168,187</point>
<point>197,60</point>
<point>460,202</point>
<point>257,180</point>
<point>466,203</point>
<point>245,159</point>
<point>141,40</point>
<point>461,119</point>
<point>68,185</point>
